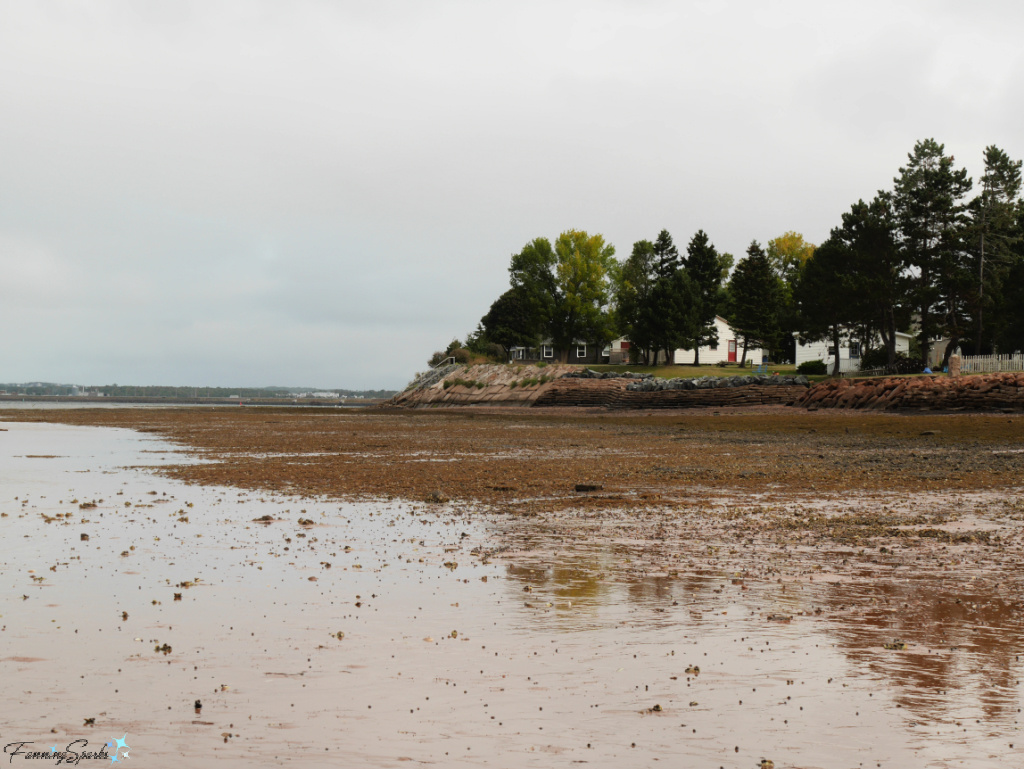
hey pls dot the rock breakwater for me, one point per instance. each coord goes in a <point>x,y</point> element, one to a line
<point>983,392</point>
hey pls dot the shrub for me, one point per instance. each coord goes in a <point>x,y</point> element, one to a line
<point>513,385</point>
<point>812,368</point>
<point>461,355</point>
<point>879,358</point>
<point>495,353</point>
<point>542,364</point>
<point>876,358</point>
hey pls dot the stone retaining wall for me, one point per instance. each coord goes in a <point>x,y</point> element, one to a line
<point>613,394</point>
<point>988,392</point>
<point>482,385</point>
<point>561,385</point>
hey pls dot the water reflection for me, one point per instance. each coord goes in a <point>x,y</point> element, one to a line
<point>960,670</point>
<point>962,657</point>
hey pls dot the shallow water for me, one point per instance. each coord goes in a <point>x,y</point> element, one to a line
<point>543,655</point>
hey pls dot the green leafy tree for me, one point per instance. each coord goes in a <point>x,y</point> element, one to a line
<point>511,321</point>
<point>532,272</point>
<point>565,288</point>
<point>704,269</point>
<point>755,292</point>
<point>584,268</point>
<point>929,208</point>
<point>787,255</point>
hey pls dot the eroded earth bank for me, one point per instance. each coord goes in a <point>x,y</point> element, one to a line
<point>733,588</point>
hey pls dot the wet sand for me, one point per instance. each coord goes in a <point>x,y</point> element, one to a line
<point>519,623</point>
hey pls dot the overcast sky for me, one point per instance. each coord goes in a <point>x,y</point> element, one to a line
<point>322,193</point>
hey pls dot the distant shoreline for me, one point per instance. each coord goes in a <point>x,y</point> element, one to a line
<point>195,401</point>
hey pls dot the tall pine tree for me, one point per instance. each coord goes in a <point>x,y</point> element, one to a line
<point>634,298</point>
<point>829,302</point>
<point>754,293</point>
<point>673,299</point>
<point>993,233</point>
<point>929,207</point>
<point>875,269</point>
<point>704,270</point>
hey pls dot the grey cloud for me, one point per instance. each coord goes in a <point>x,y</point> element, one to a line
<point>324,192</point>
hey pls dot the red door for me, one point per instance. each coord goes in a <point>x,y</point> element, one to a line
<point>732,350</point>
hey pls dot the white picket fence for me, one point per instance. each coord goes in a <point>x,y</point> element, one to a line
<point>977,364</point>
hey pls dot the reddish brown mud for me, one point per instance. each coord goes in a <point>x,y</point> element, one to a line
<point>817,592</point>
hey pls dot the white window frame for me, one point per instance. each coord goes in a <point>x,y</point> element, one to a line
<point>581,351</point>
<point>547,351</point>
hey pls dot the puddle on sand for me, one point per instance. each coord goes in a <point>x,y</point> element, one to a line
<point>439,666</point>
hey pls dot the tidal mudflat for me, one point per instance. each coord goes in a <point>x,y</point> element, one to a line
<point>377,589</point>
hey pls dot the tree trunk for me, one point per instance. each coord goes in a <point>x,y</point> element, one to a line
<point>890,343</point>
<point>981,281</point>
<point>743,358</point>
<point>696,353</point>
<point>954,342</point>
<point>835,342</point>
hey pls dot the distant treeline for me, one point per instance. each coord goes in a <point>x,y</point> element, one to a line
<point>924,256</point>
<point>160,391</point>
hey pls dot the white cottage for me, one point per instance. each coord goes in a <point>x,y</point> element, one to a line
<point>849,351</point>
<point>728,350</point>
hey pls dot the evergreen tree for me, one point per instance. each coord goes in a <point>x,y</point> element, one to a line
<point>673,300</point>
<point>666,255</point>
<point>634,298</point>
<point>828,298</point>
<point>754,292</point>
<point>674,309</point>
<point>703,268</point>
<point>929,208</point>
<point>875,269</point>
<point>1010,331</point>
<point>993,233</point>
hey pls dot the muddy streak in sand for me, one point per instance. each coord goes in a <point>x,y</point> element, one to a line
<point>588,630</point>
